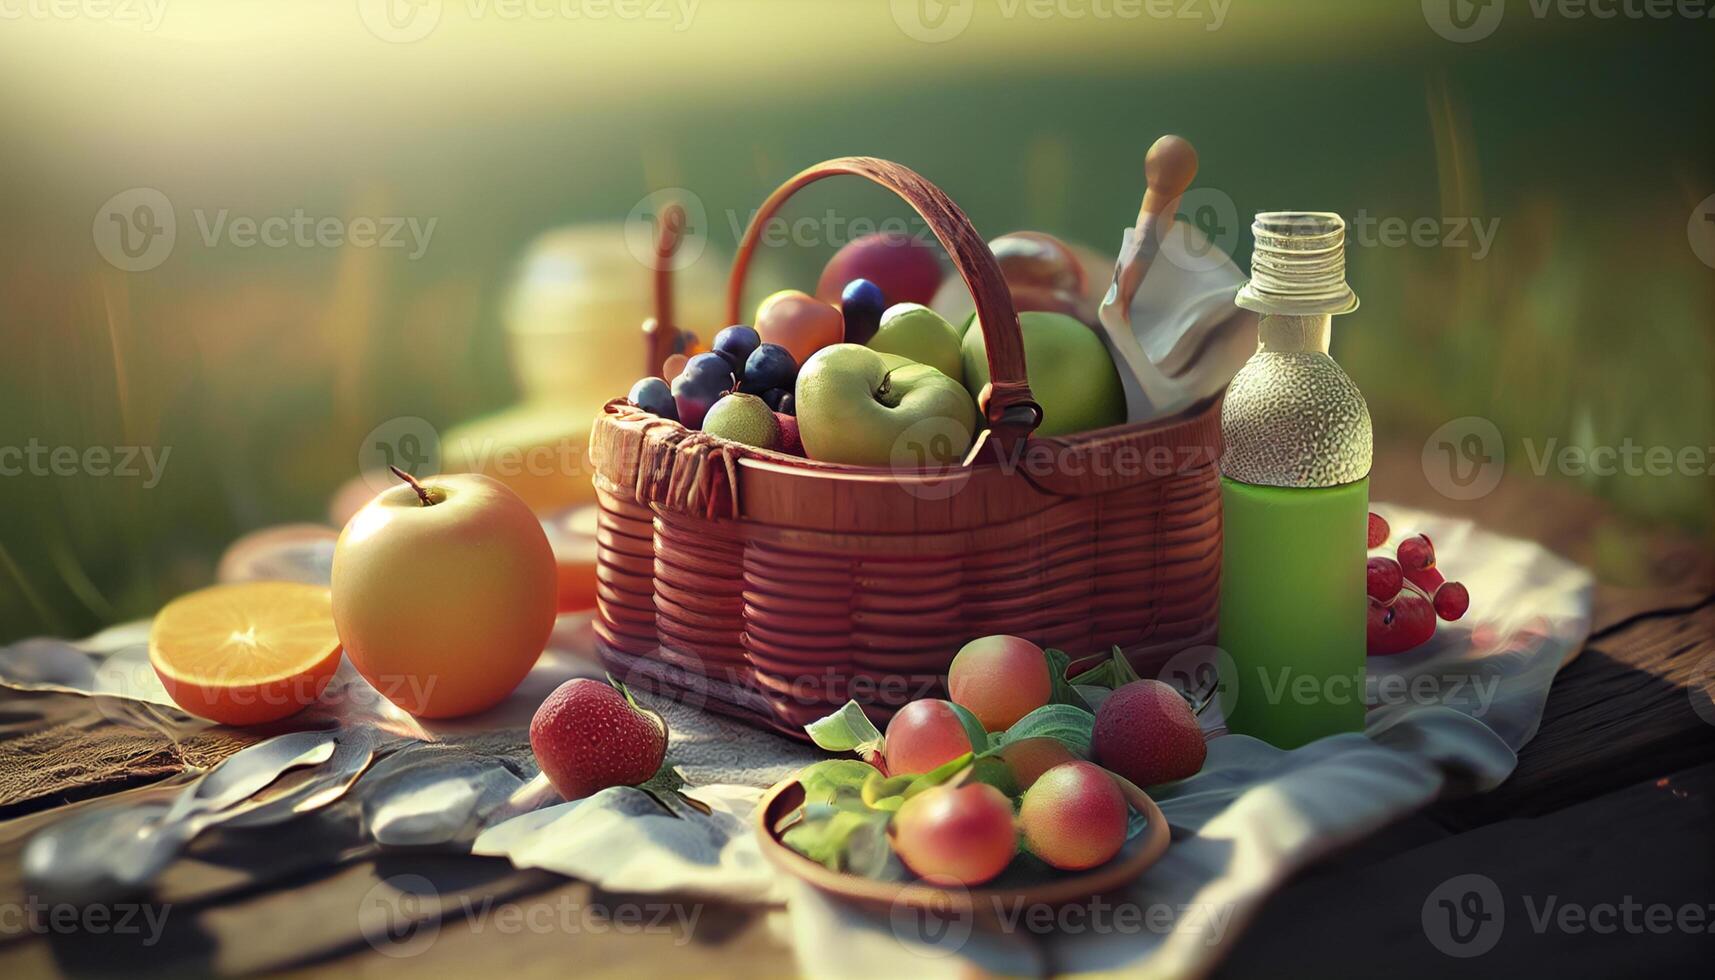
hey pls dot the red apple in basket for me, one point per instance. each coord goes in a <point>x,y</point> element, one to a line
<point>907,269</point>
<point>444,593</point>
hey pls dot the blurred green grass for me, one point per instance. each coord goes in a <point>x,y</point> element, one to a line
<point>1589,321</point>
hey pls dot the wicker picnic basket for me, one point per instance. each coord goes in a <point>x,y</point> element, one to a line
<point>774,587</point>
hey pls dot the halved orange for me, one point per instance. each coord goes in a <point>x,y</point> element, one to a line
<point>246,653</point>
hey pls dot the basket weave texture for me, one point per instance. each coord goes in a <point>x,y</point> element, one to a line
<point>774,587</point>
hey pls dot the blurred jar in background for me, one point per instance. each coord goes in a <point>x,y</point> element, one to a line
<point>574,322</point>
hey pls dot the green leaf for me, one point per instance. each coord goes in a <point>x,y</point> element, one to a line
<point>940,774</point>
<point>869,853</point>
<point>1058,662</point>
<point>886,792</point>
<point>1123,672</point>
<point>823,781</point>
<point>996,773</point>
<point>824,839</point>
<point>846,730</point>
<point>1101,675</point>
<point>975,733</point>
<point>664,788</point>
<point>1070,726</point>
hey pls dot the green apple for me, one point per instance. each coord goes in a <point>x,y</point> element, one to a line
<point>853,409</point>
<point>1071,373</point>
<point>743,418</point>
<point>919,333</point>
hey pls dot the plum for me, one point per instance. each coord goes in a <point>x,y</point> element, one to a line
<point>1074,817</point>
<point>906,269</point>
<point>1000,679</point>
<point>962,834</point>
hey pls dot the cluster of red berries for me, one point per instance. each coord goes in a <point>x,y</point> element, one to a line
<point>1408,593</point>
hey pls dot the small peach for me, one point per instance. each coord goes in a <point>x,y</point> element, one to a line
<point>922,735</point>
<point>963,833</point>
<point>1000,679</point>
<point>1031,757</point>
<point>1074,817</point>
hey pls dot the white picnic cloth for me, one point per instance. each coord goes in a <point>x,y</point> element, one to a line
<point>1448,717</point>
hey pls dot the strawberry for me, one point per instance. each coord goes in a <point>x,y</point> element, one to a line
<point>588,736</point>
<point>1147,733</point>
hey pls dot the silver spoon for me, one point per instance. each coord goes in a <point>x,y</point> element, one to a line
<point>114,852</point>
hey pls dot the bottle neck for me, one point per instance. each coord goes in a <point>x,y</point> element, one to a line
<point>1280,333</point>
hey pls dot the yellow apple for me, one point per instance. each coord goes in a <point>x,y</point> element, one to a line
<point>444,593</point>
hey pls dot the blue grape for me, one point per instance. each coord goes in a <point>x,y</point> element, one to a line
<point>862,304</point>
<point>655,397</point>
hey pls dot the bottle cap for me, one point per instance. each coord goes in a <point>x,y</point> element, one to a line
<point>1298,265</point>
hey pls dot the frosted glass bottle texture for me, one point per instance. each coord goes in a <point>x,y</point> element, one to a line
<point>1295,496</point>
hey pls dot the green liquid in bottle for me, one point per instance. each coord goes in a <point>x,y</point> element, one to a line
<point>1295,496</point>
<point>1293,608</point>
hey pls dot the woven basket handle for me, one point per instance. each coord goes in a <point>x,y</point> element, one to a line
<point>1006,402</point>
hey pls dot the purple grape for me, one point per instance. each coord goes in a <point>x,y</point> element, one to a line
<point>655,397</point>
<point>862,303</point>
<point>771,366</point>
<point>693,397</point>
<point>712,368</point>
<point>736,343</point>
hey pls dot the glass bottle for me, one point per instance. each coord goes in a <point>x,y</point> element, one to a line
<point>1295,495</point>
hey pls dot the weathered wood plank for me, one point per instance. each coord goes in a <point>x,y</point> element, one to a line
<point>1633,706</point>
<point>1644,847</point>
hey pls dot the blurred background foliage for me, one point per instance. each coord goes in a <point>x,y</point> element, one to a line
<point>1588,321</point>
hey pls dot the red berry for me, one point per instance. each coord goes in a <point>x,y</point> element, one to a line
<point>588,736</point>
<point>1378,530</point>
<point>1417,552</point>
<point>1403,624</point>
<point>1383,578</point>
<point>1417,560</point>
<point>1147,733</point>
<point>1451,601</point>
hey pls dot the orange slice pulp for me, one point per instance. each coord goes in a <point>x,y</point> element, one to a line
<point>246,653</point>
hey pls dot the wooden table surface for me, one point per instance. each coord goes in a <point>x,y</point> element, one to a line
<point>1601,836</point>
